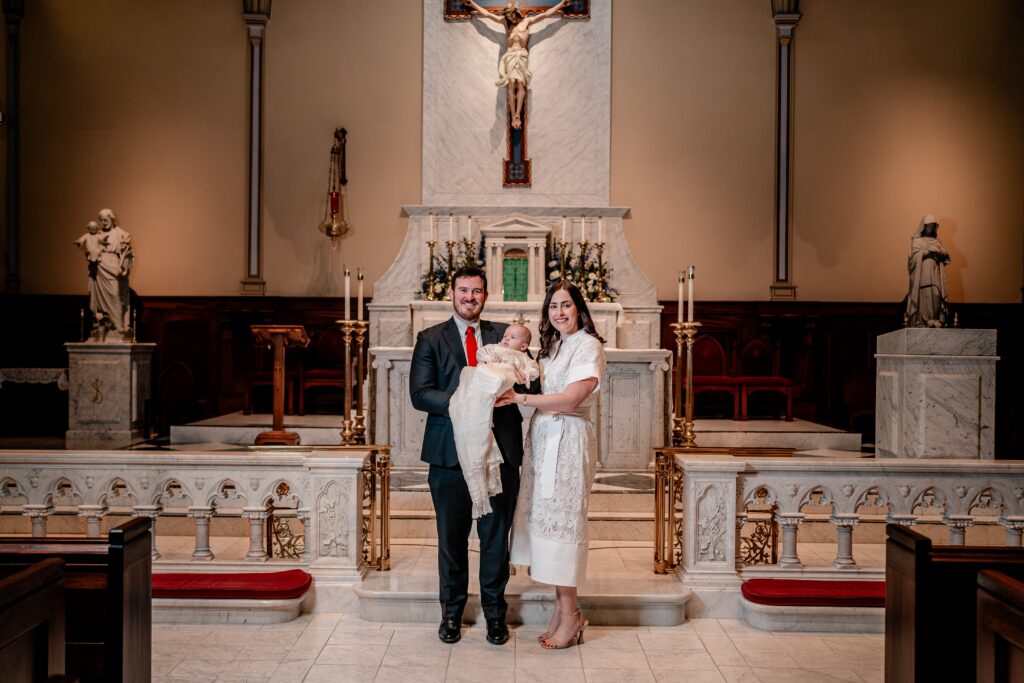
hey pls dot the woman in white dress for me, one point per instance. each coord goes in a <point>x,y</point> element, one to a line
<point>550,529</point>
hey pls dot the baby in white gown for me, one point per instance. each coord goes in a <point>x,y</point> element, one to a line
<point>499,367</point>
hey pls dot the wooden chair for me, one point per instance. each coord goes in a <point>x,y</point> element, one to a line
<point>1000,628</point>
<point>710,372</point>
<point>759,372</point>
<point>32,615</point>
<point>326,368</point>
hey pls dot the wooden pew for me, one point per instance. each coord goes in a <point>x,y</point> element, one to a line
<point>108,588</point>
<point>32,623</point>
<point>931,604</point>
<point>1000,628</point>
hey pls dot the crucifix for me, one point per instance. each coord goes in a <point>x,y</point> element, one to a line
<point>514,70</point>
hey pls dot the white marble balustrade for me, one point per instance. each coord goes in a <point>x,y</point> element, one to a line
<point>322,488</point>
<point>716,490</point>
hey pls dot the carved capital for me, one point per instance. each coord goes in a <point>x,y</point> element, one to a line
<point>1014,523</point>
<point>790,519</point>
<point>35,511</point>
<point>200,512</point>
<point>848,519</point>
<point>151,511</point>
<point>958,521</point>
<point>902,520</point>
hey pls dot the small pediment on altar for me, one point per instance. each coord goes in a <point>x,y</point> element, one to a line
<point>516,225</point>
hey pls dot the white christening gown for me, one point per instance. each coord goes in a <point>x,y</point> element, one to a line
<point>550,529</point>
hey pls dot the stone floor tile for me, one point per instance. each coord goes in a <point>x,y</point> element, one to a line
<point>604,658</point>
<point>612,640</point>
<point>360,636</point>
<point>355,673</point>
<point>677,676</point>
<point>738,674</point>
<point>683,661</point>
<point>670,642</point>
<point>707,626</point>
<point>797,675</point>
<point>723,651</point>
<point>408,674</point>
<point>641,675</point>
<point>538,673</point>
<point>351,653</point>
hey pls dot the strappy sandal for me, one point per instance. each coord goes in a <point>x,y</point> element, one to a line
<point>552,644</point>
<point>544,636</point>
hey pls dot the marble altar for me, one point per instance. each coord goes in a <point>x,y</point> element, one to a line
<point>935,393</point>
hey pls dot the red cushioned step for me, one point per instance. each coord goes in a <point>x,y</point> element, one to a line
<point>248,586</point>
<point>802,592</point>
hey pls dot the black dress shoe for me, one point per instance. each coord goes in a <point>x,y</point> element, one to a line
<point>497,631</point>
<point>450,630</point>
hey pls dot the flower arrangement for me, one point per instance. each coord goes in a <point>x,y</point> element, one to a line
<point>582,268</point>
<point>466,253</point>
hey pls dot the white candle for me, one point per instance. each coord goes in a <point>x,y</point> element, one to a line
<point>469,229</point>
<point>563,228</point>
<point>451,220</point>
<point>679,312</point>
<point>348,293</point>
<point>433,229</point>
<point>359,300</point>
<point>583,227</point>
<point>689,295</point>
<point>600,228</point>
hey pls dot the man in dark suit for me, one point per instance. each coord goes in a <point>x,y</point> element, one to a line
<point>441,352</point>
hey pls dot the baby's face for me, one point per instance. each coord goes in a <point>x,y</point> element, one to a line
<point>93,227</point>
<point>516,337</point>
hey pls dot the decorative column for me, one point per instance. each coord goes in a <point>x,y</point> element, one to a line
<point>786,15</point>
<point>151,511</point>
<point>256,14</point>
<point>307,553</point>
<point>38,515</point>
<point>14,10</point>
<point>958,526</point>
<point>741,519</point>
<point>844,523</point>
<point>790,523</point>
<point>256,517</point>
<point>1014,528</point>
<point>202,514</point>
<point>93,519</point>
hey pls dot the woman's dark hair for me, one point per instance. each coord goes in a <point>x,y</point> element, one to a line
<point>548,334</point>
<point>469,271</point>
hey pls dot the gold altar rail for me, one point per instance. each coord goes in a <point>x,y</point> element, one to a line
<point>377,508</point>
<point>760,548</point>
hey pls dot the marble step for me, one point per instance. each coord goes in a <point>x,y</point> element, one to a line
<point>604,525</point>
<point>658,601</point>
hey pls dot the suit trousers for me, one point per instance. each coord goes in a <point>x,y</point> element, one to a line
<point>453,507</point>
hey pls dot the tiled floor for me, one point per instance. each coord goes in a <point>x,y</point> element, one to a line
<point>333,647</point>
<point>343,648</point>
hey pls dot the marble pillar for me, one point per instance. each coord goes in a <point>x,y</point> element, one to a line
<point>108,389</point>
<point>935,393</point>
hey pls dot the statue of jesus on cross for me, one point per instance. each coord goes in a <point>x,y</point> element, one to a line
<point>514,71</point>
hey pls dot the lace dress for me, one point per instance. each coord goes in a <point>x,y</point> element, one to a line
<point>550,528</point>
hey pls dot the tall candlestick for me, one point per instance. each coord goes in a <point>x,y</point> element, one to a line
<point>600,228</point>
<point>689,294</point>
<point>433,229</point>
<point>451,221</point>
<point>359,300</point>
<point>563,228</point>
<point>583,227</point>
<point>679,312</point>
<point>348,293</point>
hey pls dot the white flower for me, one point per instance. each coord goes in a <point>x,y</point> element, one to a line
<point>574,262</point>
<point>555,273</point>
<point>438,288</point>
<point>592,276</point>
<point>552,264</point>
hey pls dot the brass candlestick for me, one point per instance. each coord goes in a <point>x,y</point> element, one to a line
<point>451,269</point>
<point>602,292</point>
<point>347,433</point>
<point>360,327</point>
<point>563,247</point>
<point>682,425</point>
<point>582,284</point>
<point>431,280</point>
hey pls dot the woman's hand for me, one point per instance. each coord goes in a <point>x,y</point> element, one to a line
<point>505,399</point>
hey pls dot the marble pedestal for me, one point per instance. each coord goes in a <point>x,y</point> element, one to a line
<point>108,386</point>
<point>935,393</point>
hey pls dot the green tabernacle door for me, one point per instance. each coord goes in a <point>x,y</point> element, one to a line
<point>515,285</point>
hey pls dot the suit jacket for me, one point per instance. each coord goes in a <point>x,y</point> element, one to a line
<point>437,362</point>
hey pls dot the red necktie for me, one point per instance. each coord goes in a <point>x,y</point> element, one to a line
<point>470,347</point>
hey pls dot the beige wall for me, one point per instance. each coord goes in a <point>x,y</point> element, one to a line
<point>901,108</point>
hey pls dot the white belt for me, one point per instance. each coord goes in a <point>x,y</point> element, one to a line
<point>552,439</point>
